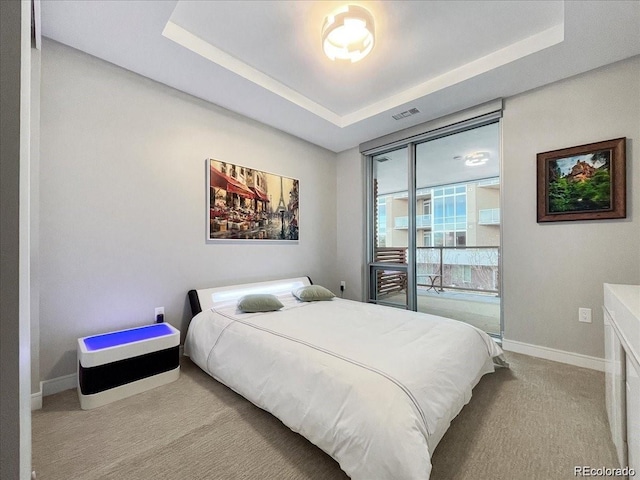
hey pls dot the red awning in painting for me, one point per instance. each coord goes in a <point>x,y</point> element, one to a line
<point>260,195</point>
<point>230,184</point>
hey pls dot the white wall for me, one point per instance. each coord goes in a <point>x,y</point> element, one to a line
<point>552,269</point>
<point>350,223</point>
<point>549,269</point>
<point>123,209</point>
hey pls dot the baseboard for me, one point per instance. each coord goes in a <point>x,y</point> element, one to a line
<point>570,358</point>
<point>49,387</point>
<point>36,400</point>
<point>60,384</point>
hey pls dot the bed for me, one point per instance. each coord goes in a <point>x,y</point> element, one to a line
<point>374,387</point>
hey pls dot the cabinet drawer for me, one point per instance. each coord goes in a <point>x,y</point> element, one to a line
<point>615,388</point>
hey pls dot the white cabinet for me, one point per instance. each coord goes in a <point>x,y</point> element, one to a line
<point>622,355</point>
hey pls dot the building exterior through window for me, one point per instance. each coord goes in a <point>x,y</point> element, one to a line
<point>458,215</point>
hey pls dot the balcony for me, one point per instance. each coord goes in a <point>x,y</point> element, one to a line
<point>468,269</point>
<point>481,266</point>
<point>455,282</point>
<point>422,222</point>
<point>489,216</point>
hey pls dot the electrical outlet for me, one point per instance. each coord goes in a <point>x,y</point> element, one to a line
<point>159,315</point>
<point>584,315</point>
<point>343,285</point>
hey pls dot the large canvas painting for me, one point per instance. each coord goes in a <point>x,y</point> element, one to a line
<point>586,182</point>
<point>249,204</point>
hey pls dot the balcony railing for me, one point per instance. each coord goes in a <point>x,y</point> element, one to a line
<point>422,221</point>
<point>472,269</point>
<point>489,216</point>
<point>459,268</point>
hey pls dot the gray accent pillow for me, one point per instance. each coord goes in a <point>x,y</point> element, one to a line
<point>259,302</point>
<point>312,293</point>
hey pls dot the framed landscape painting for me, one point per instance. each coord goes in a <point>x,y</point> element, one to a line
<point>587,182</point>
<point>249,204</point>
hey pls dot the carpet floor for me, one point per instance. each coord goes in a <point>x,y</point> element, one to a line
<point>536,420</point>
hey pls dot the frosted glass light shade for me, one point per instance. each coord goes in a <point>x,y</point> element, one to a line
<point>348,33</point>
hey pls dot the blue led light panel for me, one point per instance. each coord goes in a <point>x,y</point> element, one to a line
<point>107,340</point>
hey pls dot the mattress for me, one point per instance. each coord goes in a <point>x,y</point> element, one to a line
<point>374,387</point>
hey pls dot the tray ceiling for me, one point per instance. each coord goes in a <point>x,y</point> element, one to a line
<point>263,59</point>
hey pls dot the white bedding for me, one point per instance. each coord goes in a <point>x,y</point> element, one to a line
<point>374,387</point>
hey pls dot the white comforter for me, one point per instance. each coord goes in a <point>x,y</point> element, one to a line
<point>374,387</point>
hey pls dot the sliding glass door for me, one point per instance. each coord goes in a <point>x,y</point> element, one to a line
<point>458,245</point>
<point>435,226</point>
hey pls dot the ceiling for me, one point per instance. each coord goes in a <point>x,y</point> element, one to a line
<point>263,59</point>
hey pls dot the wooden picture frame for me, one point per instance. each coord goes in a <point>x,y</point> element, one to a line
<point>587,182</point>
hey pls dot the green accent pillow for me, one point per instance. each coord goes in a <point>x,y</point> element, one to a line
<point>312,293</point>
<point>259,302</point>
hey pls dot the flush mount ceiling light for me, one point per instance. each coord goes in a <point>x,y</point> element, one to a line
<point>476,158</point>
<point>348,33</point>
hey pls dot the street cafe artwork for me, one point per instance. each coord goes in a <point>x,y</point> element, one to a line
<point>249,204</point>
